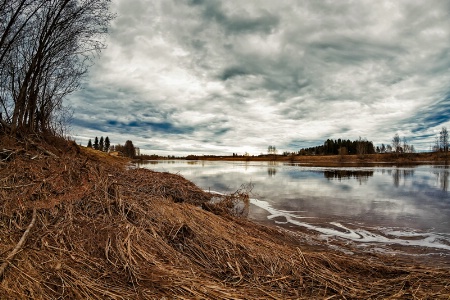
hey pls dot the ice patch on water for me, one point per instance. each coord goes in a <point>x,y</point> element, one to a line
<point>335,229</point>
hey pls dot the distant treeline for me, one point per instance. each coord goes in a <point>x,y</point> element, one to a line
<point>128,150</point>
<point>340,146</point>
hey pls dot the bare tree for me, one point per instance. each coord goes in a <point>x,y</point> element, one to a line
<point>343,151</point>
<point>443,139</point>
<point>14,18</point>
<point>361,147</point>
<point>406,147</point>
<point>396,144</point>
<point>129,149</point>
<point>272,150</point>
<point>41,67</point>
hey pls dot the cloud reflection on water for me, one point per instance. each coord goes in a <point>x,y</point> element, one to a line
<point>360,235</point>
<point>412,198</point>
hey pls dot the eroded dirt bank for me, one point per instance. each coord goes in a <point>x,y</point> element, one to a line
<point>93,229</point>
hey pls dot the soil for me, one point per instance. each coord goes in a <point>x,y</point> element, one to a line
<point>79,224</point>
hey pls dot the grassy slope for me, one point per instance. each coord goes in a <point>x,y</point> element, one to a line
<point>102,231</point>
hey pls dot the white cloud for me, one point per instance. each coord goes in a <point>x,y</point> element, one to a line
<point>198,76</point>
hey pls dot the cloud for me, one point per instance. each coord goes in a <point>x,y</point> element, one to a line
<point>435,115</point>
<point>243,20</point>
<point>193,76</point>
<point>231,72</point>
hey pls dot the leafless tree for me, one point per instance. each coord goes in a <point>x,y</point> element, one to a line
<point>15,15</point>
<point>443,139</point>
<point>272,150</point>
<point>41,67</point>
<point>396,143</point>
<point>436,146</point>
<point>343,151</point>
<point>406,147</point>
<point>361,147</point>
<point>129,149</point>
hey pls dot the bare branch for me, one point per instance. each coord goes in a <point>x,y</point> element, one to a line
<point>19,244</point>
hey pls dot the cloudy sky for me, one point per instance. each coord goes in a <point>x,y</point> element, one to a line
<point>217,77</point>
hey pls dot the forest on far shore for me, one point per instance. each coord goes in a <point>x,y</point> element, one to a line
<point>363,146</point>
<point>341,147</point>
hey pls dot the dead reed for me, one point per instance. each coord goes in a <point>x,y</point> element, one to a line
<point>101,231</point>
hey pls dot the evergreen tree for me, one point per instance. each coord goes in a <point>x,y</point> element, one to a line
<point>89,145</point>
<point>96,143</point>
<point>107,144</point>
<point>101,144</point>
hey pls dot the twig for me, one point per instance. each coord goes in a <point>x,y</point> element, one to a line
<point>302,256</point>
<point>47,152</point>
<point>42,149</point>
<point>16,186</point>
<point>268,294</point>
<point>8,152</point>
<point>19,244</point>
<point>277,279</point>
<point>5,125</point>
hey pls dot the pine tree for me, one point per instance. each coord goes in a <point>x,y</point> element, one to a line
<point>107,144</point>
<point>96,143</point>
<point>89,145</point>
<point>101,144</point>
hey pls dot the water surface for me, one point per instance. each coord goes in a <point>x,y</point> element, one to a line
<point>381,206</point>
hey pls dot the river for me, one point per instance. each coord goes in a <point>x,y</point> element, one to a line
<point>380,208</point>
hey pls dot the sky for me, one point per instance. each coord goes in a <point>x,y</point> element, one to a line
<point>217,77</point>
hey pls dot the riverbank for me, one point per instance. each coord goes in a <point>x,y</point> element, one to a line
<point>340,160</point>
<point>93,228</point>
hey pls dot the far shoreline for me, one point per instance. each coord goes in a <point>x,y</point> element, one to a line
<point>368,160</point>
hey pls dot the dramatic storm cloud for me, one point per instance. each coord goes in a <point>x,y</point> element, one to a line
<point>217,77</point>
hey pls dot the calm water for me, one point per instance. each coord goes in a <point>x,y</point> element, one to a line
<point>404,206</point>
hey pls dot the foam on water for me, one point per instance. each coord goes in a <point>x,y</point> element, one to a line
<point>335,229</point>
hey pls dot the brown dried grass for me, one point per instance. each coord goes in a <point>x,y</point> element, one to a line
<point>106,232</point>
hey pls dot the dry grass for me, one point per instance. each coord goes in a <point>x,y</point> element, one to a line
<point>105,232</point>
<point>340,160</point>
